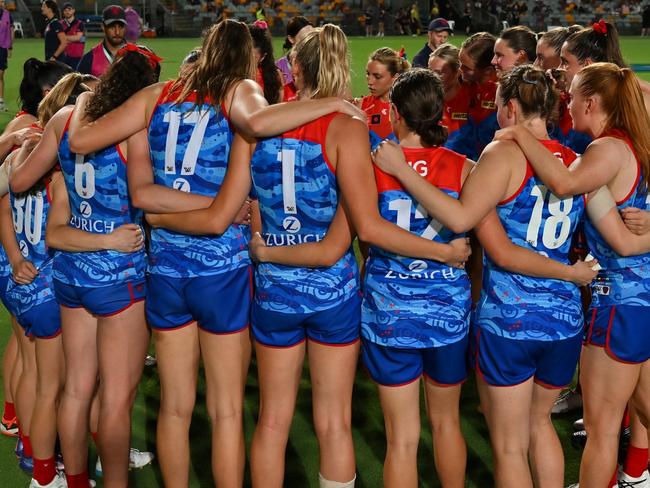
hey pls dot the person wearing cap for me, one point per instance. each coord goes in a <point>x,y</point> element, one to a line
<point>6,43</point>
<point>75,34</point>
<point>439,32</point>
<point>96,61</point>
<point>53,34</point>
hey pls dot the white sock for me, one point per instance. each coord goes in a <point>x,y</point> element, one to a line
<point>323,483</point>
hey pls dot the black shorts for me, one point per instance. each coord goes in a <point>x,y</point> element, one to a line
<point>3,58</point>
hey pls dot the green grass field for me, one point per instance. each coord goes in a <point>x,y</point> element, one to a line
<point>302,452</point>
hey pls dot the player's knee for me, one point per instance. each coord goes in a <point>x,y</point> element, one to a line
<point>332,426</point>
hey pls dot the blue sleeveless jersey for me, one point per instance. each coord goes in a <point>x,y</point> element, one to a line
<point>622,280</point>
<point>5,267</point>
<point>298,197</point>
<point>522,307</point>
<point>99,204</point>
<point>415,303</point>
<point>29,211</point>
<point>190,146</point>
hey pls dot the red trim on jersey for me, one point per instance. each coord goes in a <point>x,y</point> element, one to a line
<point>47,191</point>
<point>316,132</point>
<point>162,98</point>
<point>67,126</point>
<point>619,134</point>
<point>568,157</point>
<point>444,168</point>
<point>121,154</point>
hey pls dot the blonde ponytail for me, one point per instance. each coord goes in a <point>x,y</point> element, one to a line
<point>68,86</point>
<point>324,60</point>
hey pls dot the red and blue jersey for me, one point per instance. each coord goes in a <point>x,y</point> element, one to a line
<point>190,145</point>
<point>481,124</point>
<point>99,204</point>
<point>416,303</point>
<point>379,124</point>
<point>298,197</point>
<point>523,307</point>
<point>455,114</point>
<point>29,211</point>
<point>622,280</point>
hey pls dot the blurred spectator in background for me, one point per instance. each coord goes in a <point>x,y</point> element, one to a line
<point>416,25</point>
<point>75,34</point>
<point>645,20</point>
<point>6,44</point>
<point>96,61</point>
<point>438,33</point>
<point>53,34</point>
<point>133,24</point>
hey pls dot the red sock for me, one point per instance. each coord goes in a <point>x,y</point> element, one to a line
<point>636,461</point>
<point>614,480</point>
<point>77,480</point>
<point>94,436</point>
<point>44,470</point>
<point>27,446</point>
<point>10,411</point>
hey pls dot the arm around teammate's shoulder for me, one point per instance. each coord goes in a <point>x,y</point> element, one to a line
<point>348,139</point>
<point>249,111</point>
<point>31,164</point>
<point>116,126</point>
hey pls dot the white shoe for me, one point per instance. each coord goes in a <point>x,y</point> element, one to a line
<point>57,482</point>
<point>574,485</point>
<point>150,360</point>
<point>579,425</point>
<point>569,400</point>
<point>627,481</point>
<point>137,459</point>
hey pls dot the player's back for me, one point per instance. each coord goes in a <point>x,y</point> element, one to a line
<point>190,145</point>
<point>99,204</point>
<point>29,211</point>
<point>402,289</point>
<point>536,219</point>
<point>298,196</point>
<point>623,279</point>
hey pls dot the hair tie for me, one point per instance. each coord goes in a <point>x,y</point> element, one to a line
<point>154,60</point>
<point>526,79</point>
<point>600,27</point>
<point>402,53</point>
<point>261,24</point>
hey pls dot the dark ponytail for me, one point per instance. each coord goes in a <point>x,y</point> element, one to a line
<point>418,97</point>
<point>37,77</point>
<point>599,43</point>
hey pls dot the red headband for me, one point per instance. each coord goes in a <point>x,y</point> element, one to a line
<point>154,60</point>
<point>600,27</point>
